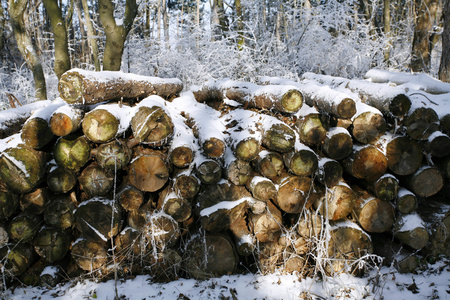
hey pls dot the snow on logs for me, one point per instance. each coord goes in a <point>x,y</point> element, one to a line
<point>228,171</point>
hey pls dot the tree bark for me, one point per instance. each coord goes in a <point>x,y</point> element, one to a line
<point>62,58</point>
<point>421,50</point>
<point>437,144</point>
<point>444,67</point>
<point>26,47</point>
<point>115,34</point>
<point>91,35</point>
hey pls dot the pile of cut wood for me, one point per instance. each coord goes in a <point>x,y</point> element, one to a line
<point>129,175</point>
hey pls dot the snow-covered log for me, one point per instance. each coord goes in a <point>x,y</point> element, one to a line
<point>78,86</point>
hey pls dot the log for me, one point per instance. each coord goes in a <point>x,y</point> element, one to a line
<point>347,244</point>
<point>181,157</point>
<point>164,266</point>
<point>368,124</point>
<point>210,94</point>
<point>36,133</point>
<point>98,219</point>
<point>281,98</point>
<point>66,120</point>
<point>269,164</point>
<point>385,188</point>
<point>421,123</point>
<point>186,185</point>
<point>302,161</point>
<point>149,172</point>
<point>269,258</point>
<point>61,180</point>
<point>78,86</point>
<point>129,197</point>
<point>138,219</point>
<point>337,202</point>
<point>60,213</point>
<point>51,244</point>
<point>221,204</point>
<point>178,208</point>
<point>51,276</point>
<point>104,123</point>
<point>22,168</point>
<point>329,172</point>
<point>404,155</point>
<point>262,188</point>
<point>425,182</point>
<point>388,99</point>
<point>435,212</point>
<point>151,124</point>
<point>267,226</point>
<point>338,143</point>
<point>411,231</point>
<point>16,258</point>
<point>72,152</point>
<point>209,256</point>
<point>311,129</point>
<point>243,237</point>
<point>89,255</point>
<point>438,144</point>
<point>236,170</point>
<point>95,181</point>
<point>208,171</point>
<point>113,156</point>
<point>310,225</point>
<point>24,227</point>
<point>279,137</point>
<point>36,201</point>
<point>295,193</point>
<point>365,162</point>
<point>161,231</point>
<point>372,214</point>
<point>9,204</point>
<point>4,237</point>
<point>129,244</point>
<point>406,201</point>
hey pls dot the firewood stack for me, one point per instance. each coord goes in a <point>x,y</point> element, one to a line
<point>124,175</point>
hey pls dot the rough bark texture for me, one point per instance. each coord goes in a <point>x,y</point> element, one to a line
<point>444,67</point>
<point>36,133</point>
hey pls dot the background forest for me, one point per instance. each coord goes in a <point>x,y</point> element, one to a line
<point>197,40</point>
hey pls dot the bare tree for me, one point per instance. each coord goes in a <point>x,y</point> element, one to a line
<point>116,34</point>
<point>421,47</point>
<point>92,42</point>
<point>2,29</point>
<point>444,68</point>
<point>25,44</point>
<point>62,57</point>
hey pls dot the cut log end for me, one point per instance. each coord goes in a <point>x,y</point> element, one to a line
<point>400,105</point>
<point>71,87</point>
<point>346,108</point>
<point>291,101</point>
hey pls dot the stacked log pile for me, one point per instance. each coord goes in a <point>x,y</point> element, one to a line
<point>124,175</point>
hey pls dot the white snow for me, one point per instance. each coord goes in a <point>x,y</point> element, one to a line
<point>50,270</point>
<point>24,111</point>
<point>223,205</point>
<point>402,192</point>
<point>410,222</point>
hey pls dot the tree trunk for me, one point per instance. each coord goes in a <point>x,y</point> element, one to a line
<point>62,58</point>
<point>186,185</point>
<point>91,35</point>
<point>444,67</point>
<point>66,120</point>
<point>22,168</point>
<point>238,171</point>
<point>421,50</point>
<point>301,162</point>
<point>100,125</point>
<point>87,87</point>
<point>115,34</point>
<point>279,137</point>
<point>36,201</point>
<point>26,47</point>
<point>267,226</point>
<point>209,171</point>
<point>72,152</point>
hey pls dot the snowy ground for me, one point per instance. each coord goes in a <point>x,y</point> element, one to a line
<point>385,283</point>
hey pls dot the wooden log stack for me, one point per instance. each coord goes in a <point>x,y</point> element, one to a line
<point>276,176</point>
